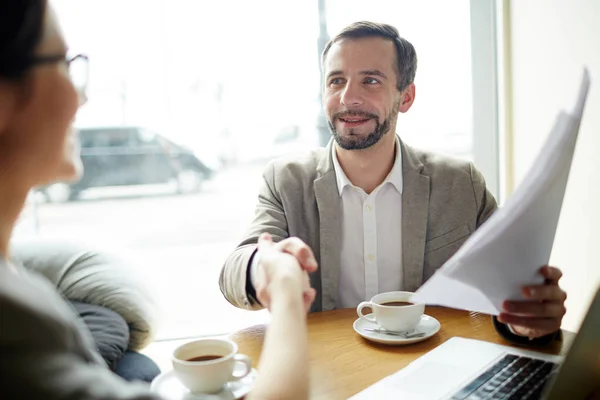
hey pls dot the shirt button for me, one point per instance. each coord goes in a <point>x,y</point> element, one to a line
<point>370,257</point>
<point>368,207</point>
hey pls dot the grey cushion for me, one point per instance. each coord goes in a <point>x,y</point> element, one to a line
<point>93,277</point>
<point>134,366</point>
<point>109,330</point>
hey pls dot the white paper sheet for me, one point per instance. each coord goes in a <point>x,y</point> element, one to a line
<point>506,252</point>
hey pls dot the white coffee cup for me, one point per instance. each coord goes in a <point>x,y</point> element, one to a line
<point>208,376</point>
<point>393,318</point>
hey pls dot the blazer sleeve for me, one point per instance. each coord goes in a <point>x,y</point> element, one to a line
<point>45,356</point>
<point>269,216</point>
<point>486,203</point>
<point>504,331</point>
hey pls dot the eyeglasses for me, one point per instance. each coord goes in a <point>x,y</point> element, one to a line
<point>77,65</point>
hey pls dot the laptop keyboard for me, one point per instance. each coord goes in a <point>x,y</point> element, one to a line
<point>511,378</point>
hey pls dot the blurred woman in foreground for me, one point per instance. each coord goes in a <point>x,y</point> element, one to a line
<point>45,353</point>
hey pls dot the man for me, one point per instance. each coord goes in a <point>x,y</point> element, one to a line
<point>378,214</point>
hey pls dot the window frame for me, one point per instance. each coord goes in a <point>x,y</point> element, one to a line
<point>485,78</point>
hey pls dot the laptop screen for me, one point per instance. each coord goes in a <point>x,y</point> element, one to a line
<point>579,374</point>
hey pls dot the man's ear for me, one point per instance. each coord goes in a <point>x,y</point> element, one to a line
<point>407,98</point>
<point>8,98</point>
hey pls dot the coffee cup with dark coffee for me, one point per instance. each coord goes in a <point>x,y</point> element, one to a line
<point>393,311</point>
<point>206,365</point>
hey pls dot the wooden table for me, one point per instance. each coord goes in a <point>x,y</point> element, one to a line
<point>342,363</point>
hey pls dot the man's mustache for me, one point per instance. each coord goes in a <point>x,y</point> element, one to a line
<point>354,113</point>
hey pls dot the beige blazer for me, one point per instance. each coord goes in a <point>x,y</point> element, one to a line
<point>443,201</point>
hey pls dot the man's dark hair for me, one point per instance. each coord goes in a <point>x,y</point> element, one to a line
<point>406,56</point>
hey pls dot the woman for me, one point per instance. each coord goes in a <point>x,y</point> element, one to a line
<point>44,353</point>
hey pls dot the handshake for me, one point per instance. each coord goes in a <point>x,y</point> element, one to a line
<point>281,272</point>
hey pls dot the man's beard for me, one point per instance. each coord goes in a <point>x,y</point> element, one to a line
<point>353,142</point>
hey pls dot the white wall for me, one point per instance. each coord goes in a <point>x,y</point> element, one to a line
<point>551,41</point>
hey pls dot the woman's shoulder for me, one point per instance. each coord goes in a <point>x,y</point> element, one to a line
<point>32,309</point>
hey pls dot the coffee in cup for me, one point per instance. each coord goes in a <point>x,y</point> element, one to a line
<point>204,358</point>
<point>393,311</point>
<point>397,303</point>
<point>206,365</point>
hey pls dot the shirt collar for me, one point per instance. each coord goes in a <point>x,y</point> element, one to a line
<point>394,177</point>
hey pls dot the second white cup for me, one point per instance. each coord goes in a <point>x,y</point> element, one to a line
<point>393,311</point>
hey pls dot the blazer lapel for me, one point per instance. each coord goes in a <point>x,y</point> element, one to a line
<point>328,203</point>
<point>415,206</point>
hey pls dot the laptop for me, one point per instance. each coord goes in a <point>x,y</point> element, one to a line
<point>471,369</point>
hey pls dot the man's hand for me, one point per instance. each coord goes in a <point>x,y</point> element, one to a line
<point>278,267</point>
<point>542,313</point>
<point>300,250</point>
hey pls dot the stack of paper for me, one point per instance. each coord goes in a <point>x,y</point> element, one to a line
<point>506,252</point>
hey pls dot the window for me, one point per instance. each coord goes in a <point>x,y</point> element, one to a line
<point>223,86</point>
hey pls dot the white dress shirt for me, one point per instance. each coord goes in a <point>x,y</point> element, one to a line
<point>371,252</point>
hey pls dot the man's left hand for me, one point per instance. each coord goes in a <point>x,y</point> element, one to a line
<point>542,313</point>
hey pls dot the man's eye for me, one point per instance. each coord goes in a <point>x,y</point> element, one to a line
<point>336,81</point>
<point>371,81</point>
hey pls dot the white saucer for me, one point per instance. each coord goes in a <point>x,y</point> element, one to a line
<point>428,324</point>
<point>168,386</point>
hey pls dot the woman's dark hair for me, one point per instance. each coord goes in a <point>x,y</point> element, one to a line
<point>21,30</point>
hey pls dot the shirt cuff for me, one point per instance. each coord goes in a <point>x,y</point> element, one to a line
<point>251,278</point>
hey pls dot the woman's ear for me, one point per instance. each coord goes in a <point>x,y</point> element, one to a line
<point>8,97</point>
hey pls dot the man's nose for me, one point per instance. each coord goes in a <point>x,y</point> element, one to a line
<point>352,95</point>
